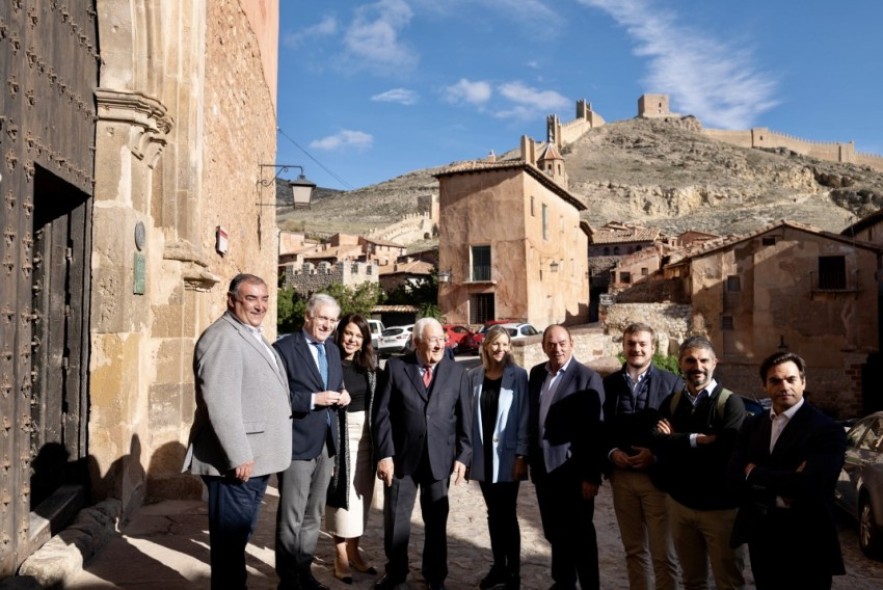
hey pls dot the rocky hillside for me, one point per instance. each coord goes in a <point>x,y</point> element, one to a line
<point>665,175</point>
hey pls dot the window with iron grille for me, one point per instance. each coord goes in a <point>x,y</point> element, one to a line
<point>832,272</point>
<point>481,263</point>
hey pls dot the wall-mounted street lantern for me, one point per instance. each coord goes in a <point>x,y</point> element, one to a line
<point>301,187</point>
<point>553,266</point>
<point>444,276</point>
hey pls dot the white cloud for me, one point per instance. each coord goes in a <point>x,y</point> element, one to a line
<point>466,91</point>
<point>399,95</point>
<point>530,101</point>
<point>324,28</point>
<point>711,78</point>
<point>346,138</point>
<point>525,12</point>
<point>372,39</point>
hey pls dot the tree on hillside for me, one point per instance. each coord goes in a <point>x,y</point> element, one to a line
<point>292,306</point>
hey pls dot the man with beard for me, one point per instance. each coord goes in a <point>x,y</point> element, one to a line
<point>695,438</point>
<point>631,411</point>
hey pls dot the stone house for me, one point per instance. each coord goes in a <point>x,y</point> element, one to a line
<point>132,152</point>
<point>511,243</point>
<point>790,287</point>
<point>406,272</point>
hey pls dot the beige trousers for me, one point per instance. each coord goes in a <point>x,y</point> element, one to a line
<point>643,521</point>
<point>703,536</point>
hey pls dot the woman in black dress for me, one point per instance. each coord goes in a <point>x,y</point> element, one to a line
<point>352,485</point>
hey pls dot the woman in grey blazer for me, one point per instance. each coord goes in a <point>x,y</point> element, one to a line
<point>499,463</point>
<point>352,486</point>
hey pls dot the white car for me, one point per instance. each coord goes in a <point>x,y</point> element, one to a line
<point>376,327</point>
<point>395,340</point>
<point>518,330</point>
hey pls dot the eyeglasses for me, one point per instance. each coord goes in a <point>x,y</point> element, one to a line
<point>322,318</point>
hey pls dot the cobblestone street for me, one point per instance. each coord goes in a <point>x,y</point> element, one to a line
<point>166,546</point>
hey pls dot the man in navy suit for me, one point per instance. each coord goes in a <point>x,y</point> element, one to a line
<point>785,466</point>
<point>315,381</point>
<point>565,440</point>
<point>631,411</point>
<point>422,420</point>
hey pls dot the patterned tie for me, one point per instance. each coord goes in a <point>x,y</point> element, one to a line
<point>323,362</point>
<point>427,376</point>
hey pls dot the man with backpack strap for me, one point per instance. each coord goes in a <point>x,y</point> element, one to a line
<point>694,440</point>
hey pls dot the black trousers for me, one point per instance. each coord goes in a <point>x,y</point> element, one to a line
<point>568,526</point>
<point>398,504</point>
<point>502,523</point>
<point>233,508</point>
<point>784,555</point>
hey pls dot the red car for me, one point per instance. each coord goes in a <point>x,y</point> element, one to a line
<point>472,342</point>
<point>455,333</point>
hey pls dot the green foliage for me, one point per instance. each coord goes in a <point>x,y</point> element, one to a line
<point>669,363</point>
<point>422,293</point>
<point>292,306</point>
<point>290,309</point>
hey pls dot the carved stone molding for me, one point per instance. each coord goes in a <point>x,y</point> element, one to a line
<point>147,116</point>
<point>194,269</point>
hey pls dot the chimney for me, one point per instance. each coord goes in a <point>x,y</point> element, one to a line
<point>528,150</point>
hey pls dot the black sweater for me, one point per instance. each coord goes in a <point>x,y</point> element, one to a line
<point>696,477</point>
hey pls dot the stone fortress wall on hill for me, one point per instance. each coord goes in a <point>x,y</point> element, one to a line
<point>656,106</point>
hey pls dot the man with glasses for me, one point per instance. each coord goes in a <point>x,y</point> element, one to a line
<point>315,382</point>
<point>242,425</point>
<point>422,416</point>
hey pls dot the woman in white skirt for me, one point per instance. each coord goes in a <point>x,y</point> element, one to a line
<point>352,485</point>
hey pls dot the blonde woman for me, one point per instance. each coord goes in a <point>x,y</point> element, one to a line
<point>499,462</point>
<point>352,485</point>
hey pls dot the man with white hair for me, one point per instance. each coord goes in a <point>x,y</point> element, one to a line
<point>315,382</point>
<point>422,406</point>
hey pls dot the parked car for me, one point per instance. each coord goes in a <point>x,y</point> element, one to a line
<point>860,488</point>
<point>395,340</point>
<point>376,327</point>
<point>519,330</point>
<point>455,334</point>
<point>471,343</point>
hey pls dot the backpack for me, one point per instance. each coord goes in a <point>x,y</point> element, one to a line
<point>751,407</point>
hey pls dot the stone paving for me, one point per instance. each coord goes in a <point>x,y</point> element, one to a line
<point>166,546</point>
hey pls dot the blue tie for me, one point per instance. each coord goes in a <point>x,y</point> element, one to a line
<point>323,363</point>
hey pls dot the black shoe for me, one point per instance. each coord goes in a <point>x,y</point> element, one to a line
<point>513,582</point>
<point>436,585</point>
<point>494,580</point>
<point>387,583</point>
<point>311,583</point>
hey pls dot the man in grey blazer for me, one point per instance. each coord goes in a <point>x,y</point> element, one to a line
<point>242,426</point>
<point>422,418</point>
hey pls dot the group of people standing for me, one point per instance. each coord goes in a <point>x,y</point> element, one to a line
<point>692,479</point>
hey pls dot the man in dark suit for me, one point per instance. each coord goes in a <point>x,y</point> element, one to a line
<point>315,380</point>
<point>565,440</point>
<point>785,467</point>
<point>631,410</point>
<point>241,427</point>
<point>422,419</point>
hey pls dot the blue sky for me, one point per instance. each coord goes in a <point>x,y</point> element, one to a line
<point>372,90</point>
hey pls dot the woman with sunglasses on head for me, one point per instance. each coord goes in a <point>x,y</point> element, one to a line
<point>499,462</point>
<point>352,485</point>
